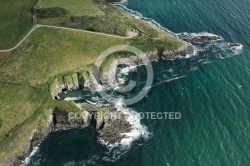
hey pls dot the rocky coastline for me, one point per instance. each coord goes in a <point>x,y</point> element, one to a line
<point>88,80</point>
<point>110,122</point>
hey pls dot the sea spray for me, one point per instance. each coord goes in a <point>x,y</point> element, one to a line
<point>138,131</point>
<point>27,160</point>
<point>184,35</point>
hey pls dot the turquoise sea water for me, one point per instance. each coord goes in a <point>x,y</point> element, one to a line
<point>211,90</point>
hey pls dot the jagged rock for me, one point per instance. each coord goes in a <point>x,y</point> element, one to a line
<point>77,80</point>
<point>112,123</point>
<point>115,124</point>
<point>202,39</point>
<point>62,121</point>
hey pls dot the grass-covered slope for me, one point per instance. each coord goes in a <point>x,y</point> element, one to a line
<point>112,20</point>
<point>26,75</point>
<point>75,7</point>
<point>27,72</point>
<point>15,21</point>
<point>48,52</point>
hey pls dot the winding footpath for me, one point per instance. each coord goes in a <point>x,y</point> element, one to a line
<point>130,34</point>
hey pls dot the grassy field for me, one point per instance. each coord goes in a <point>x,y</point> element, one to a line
<point>112,21</point>
<point>4,56</point>
<point>48,52</point>
<point>26,73</point>
<point>75,7</point>
<point>15,21</point>
<point>25,99</point>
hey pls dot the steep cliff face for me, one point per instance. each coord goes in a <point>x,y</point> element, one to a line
<point>79,79</point>
<point>113,0</point>
<point>58,121</point>
<point>85,79</point>
<point>109,76</point>
<point>109,121</point>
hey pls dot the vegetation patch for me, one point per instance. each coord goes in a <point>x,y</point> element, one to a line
<point>50,12</point>
<point>1,122</point>
<point>75,7</point>
<point>101,113</point>
<point>15,21</point>
<point>48,52</point>
<point>4,56</point>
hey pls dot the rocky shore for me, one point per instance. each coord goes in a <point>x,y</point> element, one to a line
<point>202,39</point>
<point>110,123</point>
<point>87,80</point>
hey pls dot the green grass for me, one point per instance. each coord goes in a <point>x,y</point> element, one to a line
<point>101,113</point>
<point>51,12</point>
<point>112,21</point>
<point>15,21</point>
<point>22,122</point>
<point>48,52</point>
<point>75,7</point>
<point>4,56</point>
<point>25,80</point>
<point>28,73</point>
<point>17,103</point>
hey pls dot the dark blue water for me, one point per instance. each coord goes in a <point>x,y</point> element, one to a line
<point>211,90</point>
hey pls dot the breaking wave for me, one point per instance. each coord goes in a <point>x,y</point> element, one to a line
<point>186,35</point>
<point>138,132</point>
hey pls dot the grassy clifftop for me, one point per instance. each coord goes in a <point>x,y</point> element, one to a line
<point>103,17</point>
<point>27,72</point>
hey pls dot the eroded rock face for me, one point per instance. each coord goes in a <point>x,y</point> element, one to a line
<point>110,122</point>
<point>113,0</point>
<point>115,124</point>
<point>109,77</point>
<point>65,121</point>
<point>78,80</point>
<point>90,80</point>
<point>202,39</point>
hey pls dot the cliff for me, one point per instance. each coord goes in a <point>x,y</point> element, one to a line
<point>109,76</point>
<point>78,79</point>
<point>84,79</point>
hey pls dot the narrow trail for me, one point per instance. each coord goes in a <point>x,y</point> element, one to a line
<point>130,34</point>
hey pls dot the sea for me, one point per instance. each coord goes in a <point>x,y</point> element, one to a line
<point>211,91</point>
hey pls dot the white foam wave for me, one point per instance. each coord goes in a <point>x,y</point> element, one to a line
<point>187,34</point>
<point>127,70</point>
<point>91,161</point>
<point>72,98</point>
<point>28,159</point>
<point>237,49</point>
<point>90,102</point>
<point>169,80</point>
<point>116,150</point>
<point>138,15</point>
<point>125,2</point>
<point>184,35</point>
<point>138,130</point>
